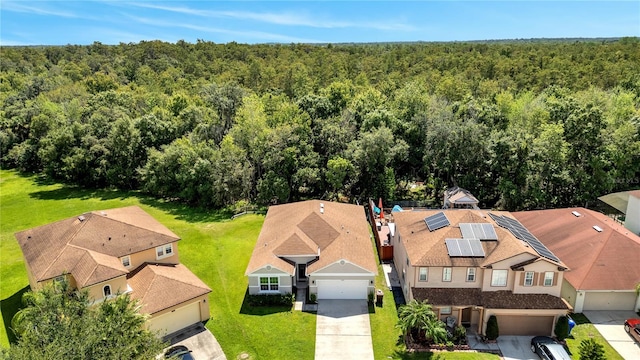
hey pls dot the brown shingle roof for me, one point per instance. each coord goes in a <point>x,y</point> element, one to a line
<point>162,286</point>
<point>503,299</point>
<point>428,248</point>
<point>85,246</point>
<point>598,260</point>
<point>340,232</point>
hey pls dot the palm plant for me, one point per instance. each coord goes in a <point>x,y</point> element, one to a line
<point>419,317</point>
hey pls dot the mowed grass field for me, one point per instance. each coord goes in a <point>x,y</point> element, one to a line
<point>215,248</point>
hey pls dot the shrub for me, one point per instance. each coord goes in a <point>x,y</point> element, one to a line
<point>313,298</point>
<point>460,334</point>
<point>492,328</point>
<point>271,300</point>
<point>371,297</point>
<point>591,350</point>
<point>562,328</point>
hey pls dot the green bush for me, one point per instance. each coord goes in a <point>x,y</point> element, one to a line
<point>313,298</point>
<point>492,328</point>
<point>271,300</point>
<point>562,328</point>
<point>591,350</point>
<point>460,334</point>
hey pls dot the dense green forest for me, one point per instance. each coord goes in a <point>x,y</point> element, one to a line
<point>521,124</point>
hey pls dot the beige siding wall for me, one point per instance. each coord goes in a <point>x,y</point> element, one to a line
<point>434,278</point>
<point>503,265</point>
<point>118,285</point>
<point>149,255</point>
<point>539,269</point>
<point>568,293</point>
<point>406,273</point>
<point>337,268</point>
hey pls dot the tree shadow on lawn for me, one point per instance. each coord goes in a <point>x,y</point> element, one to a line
<point>247,309</point>
<point>9,308</point>
<point>181,210</point>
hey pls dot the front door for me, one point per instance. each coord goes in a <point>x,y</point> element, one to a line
<point>466,316</point>
<point>302,272</point>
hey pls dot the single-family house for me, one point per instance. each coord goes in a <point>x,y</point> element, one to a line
<point>323,245</point>
<point>602,254</point>
<point>471,264</point>
<point>118,251</point>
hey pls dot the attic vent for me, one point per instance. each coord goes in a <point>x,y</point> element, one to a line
<point>576,214</point>
<point>268,267</point>
<point>597,228</point>
<point>81,218</point>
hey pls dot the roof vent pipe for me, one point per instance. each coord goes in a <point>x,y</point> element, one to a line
<point>597,228</point>
<point>321,208</point>
<point>576,214</point>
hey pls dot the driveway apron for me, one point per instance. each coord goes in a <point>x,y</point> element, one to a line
<point>611,325</point>
<point>343,330</point>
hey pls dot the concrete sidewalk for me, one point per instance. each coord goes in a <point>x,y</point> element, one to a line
<point>611,325</point>
<point>343,330</point>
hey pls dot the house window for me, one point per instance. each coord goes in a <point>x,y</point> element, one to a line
<point>548,278</point>
<point>499,278</point>
<point>126,261</point>
<point>164,251</point>
<point>445,310</point>
<point>106,290</point>
<point>423,274</point>
<point>446,274</point>
<point>528,278</point>
<point>471,274</point>
<point>269,284</point>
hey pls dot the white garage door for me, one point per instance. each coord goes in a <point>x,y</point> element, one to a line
<point>342,289</point>
<point>609,301</point>
<point>176,320</point>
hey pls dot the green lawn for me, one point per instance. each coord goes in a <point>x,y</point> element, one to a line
<point>585,330</point>
<point>214,248</point>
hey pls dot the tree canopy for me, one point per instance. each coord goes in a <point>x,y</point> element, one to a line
<point>58,322</point>
<point>522,125</point>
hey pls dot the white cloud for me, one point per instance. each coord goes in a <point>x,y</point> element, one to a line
<point>285,18</point>
<point>30,9</point>
<point>246,34</point>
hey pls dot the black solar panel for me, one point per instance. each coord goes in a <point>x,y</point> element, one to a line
<point>519,231</point>
<point>481,231</point>
<point>436,221</point>
<point>464,248</point>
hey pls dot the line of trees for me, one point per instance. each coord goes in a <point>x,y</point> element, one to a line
<point>521,125</point>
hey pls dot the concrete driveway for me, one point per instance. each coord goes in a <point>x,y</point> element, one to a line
<point>200,341</point>
<point>343,330</point>
<point>516,348</point>
<point>611,325</point>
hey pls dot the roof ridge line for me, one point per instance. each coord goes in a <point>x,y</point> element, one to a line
<point>106,216</point>
<point>82,223</point>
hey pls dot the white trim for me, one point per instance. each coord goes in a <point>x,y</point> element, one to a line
<point>524,283</point>
<point>264,267</point>
<point>269,284</point>
<point>475,274</point>
<point>426,274</point>
<point>553,275</point>
<point>444,273</point>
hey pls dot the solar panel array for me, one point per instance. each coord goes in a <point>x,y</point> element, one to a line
<point>481,231</point>
<point>464,247</point>
<point>436,221</point>
<point>519,231</point>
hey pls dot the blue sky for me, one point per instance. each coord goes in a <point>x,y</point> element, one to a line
<point>60,22</point>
